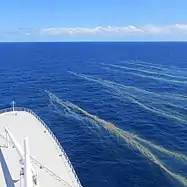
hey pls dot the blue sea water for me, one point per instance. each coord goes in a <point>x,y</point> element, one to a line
<point>140,87</point>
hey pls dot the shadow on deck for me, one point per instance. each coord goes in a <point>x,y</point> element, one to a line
<point>7,176</point>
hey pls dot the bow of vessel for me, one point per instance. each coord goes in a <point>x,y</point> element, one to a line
<point>30,154</point>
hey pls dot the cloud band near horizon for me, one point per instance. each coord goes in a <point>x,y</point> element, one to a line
<point>175,29</point>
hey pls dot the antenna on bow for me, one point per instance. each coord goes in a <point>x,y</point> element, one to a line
<point>13,105</point>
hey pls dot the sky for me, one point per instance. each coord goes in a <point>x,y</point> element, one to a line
<point>93,20</point>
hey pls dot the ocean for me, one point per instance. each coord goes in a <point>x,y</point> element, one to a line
<point>119,109</point>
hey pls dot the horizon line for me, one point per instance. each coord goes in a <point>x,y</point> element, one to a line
<point>100,41</point>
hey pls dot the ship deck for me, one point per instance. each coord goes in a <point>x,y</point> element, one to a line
<point>47,157</point>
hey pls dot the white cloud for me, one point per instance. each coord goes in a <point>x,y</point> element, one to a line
<point>28,34</point>
<point>175,29</point>
<point>109,30</point>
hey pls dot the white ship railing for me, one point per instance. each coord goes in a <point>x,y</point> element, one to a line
<point>50,132</point>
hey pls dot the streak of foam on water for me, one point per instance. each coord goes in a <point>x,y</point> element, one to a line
<point>67,111</point>
<point>165,96</point>
<point>149,76</point>
<point>125,94</point>
<point>131,139</point>
<point>158,78</point>
<point>157,67</point>
<point>146,71</point>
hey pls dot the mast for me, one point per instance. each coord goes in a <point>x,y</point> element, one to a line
<point>27,165</point>
<point>25,158</point>
<point>13,105</point>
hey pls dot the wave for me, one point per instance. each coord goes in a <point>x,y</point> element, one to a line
<point>131,139</point>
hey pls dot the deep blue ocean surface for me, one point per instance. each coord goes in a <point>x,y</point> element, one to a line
<point>141,88</point>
